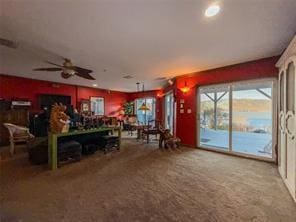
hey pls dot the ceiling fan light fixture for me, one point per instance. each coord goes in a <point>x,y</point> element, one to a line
<point>69,71</point>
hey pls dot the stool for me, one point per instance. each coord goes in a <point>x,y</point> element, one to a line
<point>109,142</point>
<point>89,149</point>
<point>70,149</point>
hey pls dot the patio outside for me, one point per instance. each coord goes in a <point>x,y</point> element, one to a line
<point>251,120</point>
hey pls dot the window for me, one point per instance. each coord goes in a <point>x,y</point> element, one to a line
<point>145,116</point>
<point>214,117</point>
<point>237,117</point>
<point>97,105</point>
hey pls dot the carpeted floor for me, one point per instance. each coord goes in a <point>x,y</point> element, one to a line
<point>143,183</point>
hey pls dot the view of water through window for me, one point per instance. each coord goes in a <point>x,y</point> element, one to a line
<point>251,112</point>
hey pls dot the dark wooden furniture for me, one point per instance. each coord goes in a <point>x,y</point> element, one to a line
<point>71,149</point>
<point>109,142</point>
<point>17,117</point>
<point>168,139</point>
<point>81,136</point>
<point>153,128</point>
<point>38,151</point>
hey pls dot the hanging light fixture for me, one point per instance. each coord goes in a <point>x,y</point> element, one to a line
<point>144,107</point>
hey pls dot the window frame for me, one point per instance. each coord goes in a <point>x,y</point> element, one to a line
<point>91,108</point>
<point>231,85</point>
<point>144,98</point>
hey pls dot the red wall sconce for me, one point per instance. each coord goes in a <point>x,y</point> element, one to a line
<point>185,89</point>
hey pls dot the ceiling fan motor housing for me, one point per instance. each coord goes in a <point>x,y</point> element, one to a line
<point>65,75</point>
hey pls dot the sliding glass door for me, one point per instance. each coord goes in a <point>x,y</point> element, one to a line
<point>237,117</point>
<point>252,119</point>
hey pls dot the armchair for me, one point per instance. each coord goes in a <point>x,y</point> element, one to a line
<point>17,134</point>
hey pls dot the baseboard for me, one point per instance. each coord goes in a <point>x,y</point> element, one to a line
<point>238,155</point>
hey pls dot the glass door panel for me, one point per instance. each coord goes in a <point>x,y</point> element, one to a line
<point>252,119</point>
<point>214,118</point>
<point>169,112</point>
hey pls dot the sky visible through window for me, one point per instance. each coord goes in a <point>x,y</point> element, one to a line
<point>245,94</point>
<point>254,94</point>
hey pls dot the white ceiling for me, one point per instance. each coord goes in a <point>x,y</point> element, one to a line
<point>143,38</point>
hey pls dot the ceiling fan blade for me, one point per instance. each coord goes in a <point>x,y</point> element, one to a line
<point>48,69</point>
<point>85,75</point>
<point>160,78</point>
<point>81,70</point>
<point>54,64</point>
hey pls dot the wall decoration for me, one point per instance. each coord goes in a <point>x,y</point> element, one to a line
<point>188,110</point>
<point>84,106</point>
<point>128,108</point>
<point>181,110</point>
<point>182,101</point>
<point>97,105</point>
<point>181,105</point>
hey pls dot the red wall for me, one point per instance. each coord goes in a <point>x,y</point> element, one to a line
<point>18,87</point>
<point>11,86</point>
<point>113,100</point>
<point>186,123</point>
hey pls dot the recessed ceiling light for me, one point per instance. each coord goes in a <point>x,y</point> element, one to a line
<point>212,10</point>
<point>95,85</point>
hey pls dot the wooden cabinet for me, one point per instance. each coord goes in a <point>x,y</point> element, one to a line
<point>18,117</point>
<point>287,118</point>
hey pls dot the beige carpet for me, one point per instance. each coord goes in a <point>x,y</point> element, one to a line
<point>143,183</point>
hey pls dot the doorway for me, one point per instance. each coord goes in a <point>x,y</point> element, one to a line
<point>169,112</point>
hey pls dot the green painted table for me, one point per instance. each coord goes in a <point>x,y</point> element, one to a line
<point>53,142</point>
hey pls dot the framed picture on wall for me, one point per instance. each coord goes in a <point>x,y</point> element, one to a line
<point>97,105</point>
<point>85,106</point>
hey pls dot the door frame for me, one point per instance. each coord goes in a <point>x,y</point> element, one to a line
<point>173,111</point>
<point>274,120</point>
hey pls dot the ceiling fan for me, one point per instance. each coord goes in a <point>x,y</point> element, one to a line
<point>68,70</point>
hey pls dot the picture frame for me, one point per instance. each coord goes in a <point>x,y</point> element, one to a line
<point>97,105</point>
<point>84,106</point>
